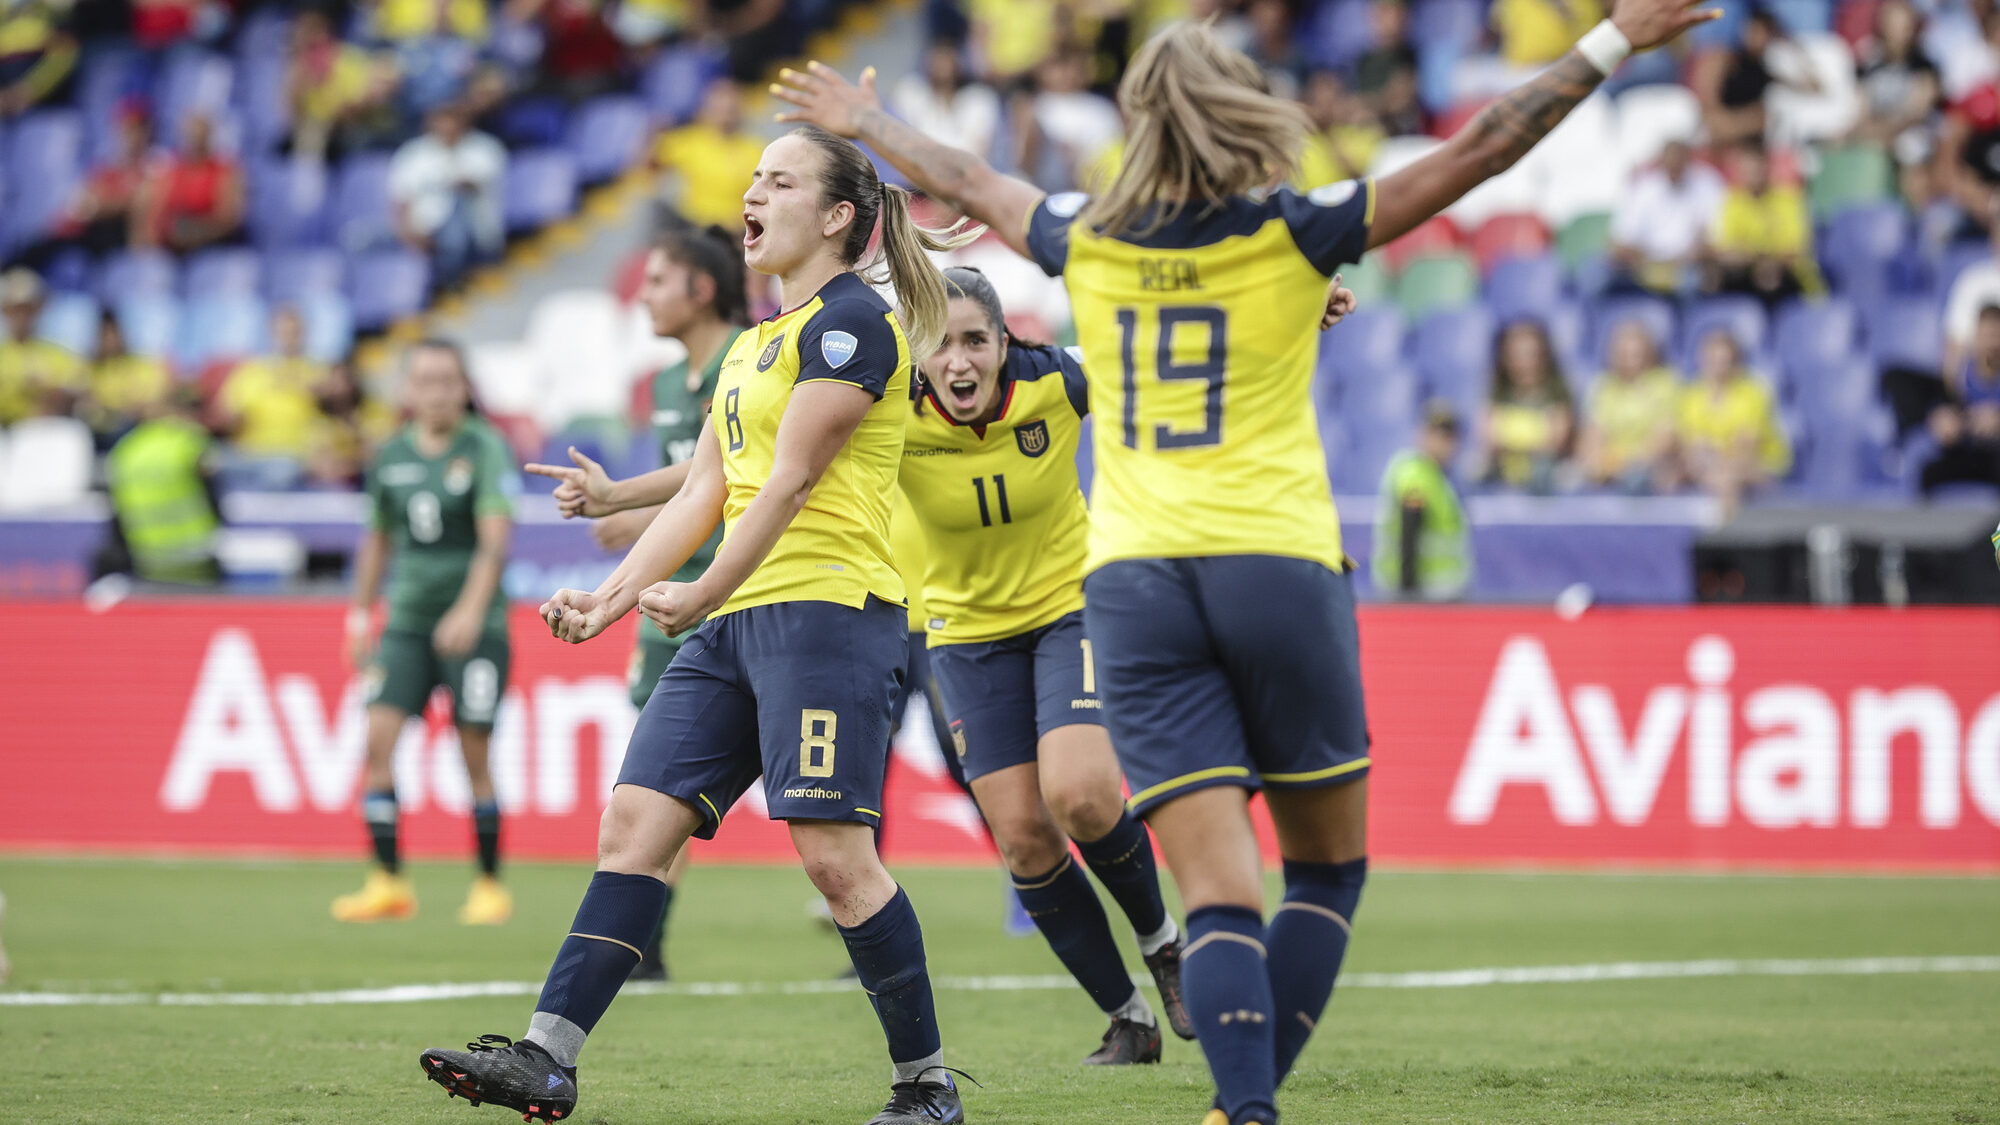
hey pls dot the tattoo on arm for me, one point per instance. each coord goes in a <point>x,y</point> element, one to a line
<point>941,170</point>
<point>1503,132</point>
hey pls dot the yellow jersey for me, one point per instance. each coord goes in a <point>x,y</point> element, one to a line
<point>906,543</point>
<point>837,548</point>
<point>1005,528</point>
<point>1199,341</point>
<point>28,368</point>
<point>274,399</point>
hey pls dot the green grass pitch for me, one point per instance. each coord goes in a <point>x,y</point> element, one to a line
<point>1917,1047</point>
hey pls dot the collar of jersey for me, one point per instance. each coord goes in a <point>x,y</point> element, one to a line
<point>1006,401</point>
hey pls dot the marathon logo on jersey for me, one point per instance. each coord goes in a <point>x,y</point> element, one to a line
<point>770,355</point>
<point>838,348</point>
<point>1033,438</point>
<point>458,476</point>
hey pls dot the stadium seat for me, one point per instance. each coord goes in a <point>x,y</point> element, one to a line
<point>1838,453</point>
<point>1582,239</point>
<point>384,285</point>
<point>149,321</point>
<point>329,325</point>
<point>1812,336</point>
<point>265,102</point>
<point>1861,241</point>
<point>44,162</point>
<point>1906,333</point>
<point>218,326</point>
<point>532,122</point>
<point>1452,352</point>
<point>1455,24</point>
<point>1370,339</point>
<point>607,136</point>
<point>232,269</point>
<point>1369,280</point>
<point>191,81</point>
<point>1437,282</point>
<point>1742,317</point>
<point>287,203</point>
<point>130,273</point>
<point>1844,387</point>
<point>48,465</point>
<point>292,274</point>
<point>672,86</point>
<point>1656,314</point>
<point>540,188</point>
<point>106,76</point>
<point>1524,286</point>
<point>361,207</point>
<point>1649,116</point>
<point>70,320</point>
<point>1336,33</point>
<point>1432,236</point>
<point>1958,257</point>
<point>1849,176</point>
<point>1564,322</point>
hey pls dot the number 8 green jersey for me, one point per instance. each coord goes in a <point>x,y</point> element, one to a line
<point>430,507</point>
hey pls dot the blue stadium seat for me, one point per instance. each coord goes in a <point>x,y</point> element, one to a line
<point>290,275</point>
<point>1452,352</point>
<point>44,163</point>
<point>191,81</point>
<point>1845,386</point>
<point>129,273</point>
<point>287,204</point>
<point>1654,313</point>
<point>220,326</point>
<point>1814,335</point>
<point>1454,24</point>
<point>1370,339</point>
<point>1907,333</point>
<point>532,122</point>
<point>1524,287</point>
<point>149,321</point>
<point>1337,33</point>
<point>1838,455</point>
<point>233,269</point>
<point>1383,399</point>
<point>1860,243</point>
<point>107,76</point>
<point>540,188</point>
<point>1957,257</point>
<point>384,285</point>
<point>673,85</point>
<point>264,101</point>
<point>607,136</point>
<point>1742,317</point>
<point>361,210</point>
<point>329,324</point>
<point>70,319</point>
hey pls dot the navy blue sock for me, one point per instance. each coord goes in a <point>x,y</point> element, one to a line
<point>1304,944</point>
<point>379,810</point>
<point>888,955</point>
<point>616,916</point>
<point>1228,994</point>
<point>486,828</point>
<point>1123,861</point>
<point>653,944</point>
<point>1065,908</point>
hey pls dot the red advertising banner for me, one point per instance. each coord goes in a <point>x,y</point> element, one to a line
<point>1753,737</point>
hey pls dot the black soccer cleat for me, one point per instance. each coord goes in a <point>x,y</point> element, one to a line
<point>1127,1043</point>
<point>520,1076</point>
<point>1166,967</point>
<point>918,1102</point>
<point>652,965</point>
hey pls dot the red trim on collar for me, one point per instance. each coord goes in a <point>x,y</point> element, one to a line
<point>930,392</point>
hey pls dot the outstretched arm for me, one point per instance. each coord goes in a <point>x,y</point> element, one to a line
<point>952,176</point>
<point>1503,132</point>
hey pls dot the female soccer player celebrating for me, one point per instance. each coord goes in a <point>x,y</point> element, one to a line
<point>1218,602</point>
<point>989,463</point>
<point>439,497</point>
<point>693,292</point>
<point>793,672</point>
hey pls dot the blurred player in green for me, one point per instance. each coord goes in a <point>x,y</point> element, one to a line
<point>694,293</point>
<point>440,498</point>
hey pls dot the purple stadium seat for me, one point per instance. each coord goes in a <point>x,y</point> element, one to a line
<point>44,162</point>
<point>1957,257</point>
<point>672,86</point>
<point>1453,24</point>
<point>1655,314</point>
<point>191,81</point>
<point>1811,336</point>
<point>1844,387</point>
<point>265,32</point>
<point>329,324</point>
<point>1906,333</point>
<point>540,188</point>
<point>287,203</point>
<point>383,285</point>
<point>1370,339</point>
<point>1453,351</point>
<point>1368,446</point>
<point>232,270</point>
<point>290,275</point>
<point>1524,287</point>
<point>532,122</point>
<point>1840,454</point>
<point>149,321</point>
<point>607,136</point>
<point>1381,399</point>
<point>70,319</point>
<point>1337,33</point>
<point>1742,317</point>
<point>1860,243</point>
<point>131,273</point>
<point>361,211</point>
<point>266,109</point>
<point>220,326</point>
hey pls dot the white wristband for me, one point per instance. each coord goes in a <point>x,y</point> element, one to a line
<point>357,619</point>
<point>1605,46</point>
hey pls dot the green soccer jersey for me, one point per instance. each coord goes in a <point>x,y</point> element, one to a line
<point>678,415</point>
<point>430,507</point>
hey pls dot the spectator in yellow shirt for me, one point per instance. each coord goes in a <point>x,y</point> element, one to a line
<point>1530,418</point>
<point>339,92</point>
<point>1628,430</point>
<point>1762,242</point>
<point>269,406</point>
<point>1730,440</point>
<point>123,387</point>
<point>1345,132</point>
<point>1534,33</point>
<point>37,376</point>
<point>710,159</point>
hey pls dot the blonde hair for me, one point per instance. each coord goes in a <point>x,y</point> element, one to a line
<point>1200,127</point>
<point>849,177</point>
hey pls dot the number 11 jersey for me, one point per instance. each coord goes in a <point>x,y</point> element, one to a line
<point>1200,339</point>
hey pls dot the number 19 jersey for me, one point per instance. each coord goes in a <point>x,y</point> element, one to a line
<point>1200,340</point>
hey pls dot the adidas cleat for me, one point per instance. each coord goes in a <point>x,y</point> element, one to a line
<point>520,1076</point>
<point>921,1102</point>
<point>1166,969</point>
<point>1126,1043</point>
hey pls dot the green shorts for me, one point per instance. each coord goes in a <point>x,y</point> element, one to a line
<point>406,670</point>
<point>650,658</point>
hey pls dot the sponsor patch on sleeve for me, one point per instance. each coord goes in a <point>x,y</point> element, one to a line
<point>838,347</point>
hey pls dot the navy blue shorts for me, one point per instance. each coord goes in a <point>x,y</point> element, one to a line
<point>798,692</point>
<point>1239,670</point>
<point>1002,696</point>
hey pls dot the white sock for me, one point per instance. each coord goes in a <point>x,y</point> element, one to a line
<point>1137,1010</point>
<point>1159,939</point>
<point>914,1070</point>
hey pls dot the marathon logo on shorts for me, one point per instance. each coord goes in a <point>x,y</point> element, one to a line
<point>770,355</point>
<point>837,348</point>
<point>1033,438</point>
<point>815,793</point>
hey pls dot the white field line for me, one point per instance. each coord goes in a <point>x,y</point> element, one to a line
<point>1449,978</point>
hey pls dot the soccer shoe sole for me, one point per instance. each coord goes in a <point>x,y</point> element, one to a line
<point>464,1084</point>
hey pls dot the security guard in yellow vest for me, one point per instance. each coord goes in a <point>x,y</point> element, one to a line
<point>159,479</point>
